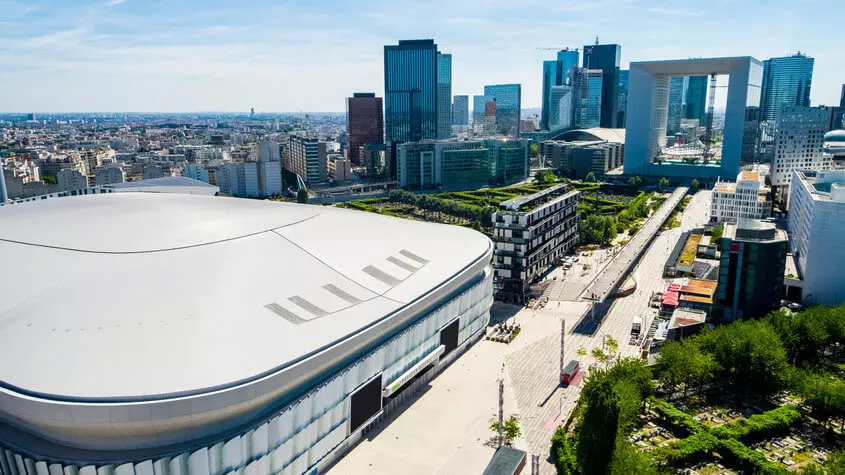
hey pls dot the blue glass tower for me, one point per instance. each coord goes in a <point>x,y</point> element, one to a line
<point>786,82</point>
<point>606,58</point>
<point>622,100</point>
<point>444,95</point>
<point>555,73</point>
<point>508,99</point>
<point>696,99</point>
<point>410,93</point>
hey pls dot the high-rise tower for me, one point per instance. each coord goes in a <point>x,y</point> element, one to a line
<point>786,82</point>
<point>606,58</point>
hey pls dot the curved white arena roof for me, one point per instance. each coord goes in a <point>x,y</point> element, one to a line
<point>133,297</point>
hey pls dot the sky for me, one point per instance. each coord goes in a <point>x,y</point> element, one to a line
<point>309,55</point>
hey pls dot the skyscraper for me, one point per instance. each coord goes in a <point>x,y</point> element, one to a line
<point>555,73</point>
<point>696,98</point>
<point>587,89</point>
<point>460,110</point>
<point>560,113</point>
<point>622,96</point>
<point>677,93</point>
<point>364,123</point>
<point>444,95</point>
<point>410,93</point>
<point>508,98</point>
<point>479,107</point>
<point>842,97</point>
<point>786,82</point>
<point>606,58</point>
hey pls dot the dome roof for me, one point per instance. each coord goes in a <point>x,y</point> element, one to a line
<point>835,136</point>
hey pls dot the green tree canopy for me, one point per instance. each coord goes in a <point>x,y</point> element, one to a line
<point>302,196</point>
<point>590,178</point>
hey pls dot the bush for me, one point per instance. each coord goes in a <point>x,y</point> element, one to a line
<point>563,452</point>
<point>676,417</point>
<point>761,426</point>
<point>689,450</point>
<point>748,460</point>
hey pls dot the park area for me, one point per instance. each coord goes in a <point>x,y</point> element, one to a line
<point>760,396</point>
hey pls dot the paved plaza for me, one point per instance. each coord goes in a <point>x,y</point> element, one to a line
<point>445,430</point>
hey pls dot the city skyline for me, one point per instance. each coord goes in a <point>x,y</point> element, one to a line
<point>153,56</point>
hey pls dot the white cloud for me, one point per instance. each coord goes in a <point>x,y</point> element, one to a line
<point>679,12</point>
<point>112,3</point>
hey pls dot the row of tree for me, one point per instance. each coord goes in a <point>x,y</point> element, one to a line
<point>482,214</point>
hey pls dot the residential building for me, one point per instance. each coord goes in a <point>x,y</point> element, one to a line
<point>696,99</point>
<point>530,234</point>
<point>798,143</point>
<point>153,171</point>
<point>460,110</point>
<point>239,179</point>
<point>786,82</point>
<point>555,73</point>
<point>307,158</point>
<point>195,172</point>
<point>751,268</point>
<point>607,59</point>
<point>648,107</point>
<point>623,98</point>
<point>816,224</point>
<point>270,169</point>
<point>109,176</point>
<point>270,151</point>
<point>527,125</point>
<point>364,123</point>
<point>677,94</point>
<point>69,180</point>
<point>508,99</point>
<point>462,163</point>
<point>444,95</point>
<point>339,168</point>
<point>748,197</point>
<point>411,82</point>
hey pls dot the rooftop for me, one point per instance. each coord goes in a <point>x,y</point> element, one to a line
<point>160,294</point>
<point>541,197</point>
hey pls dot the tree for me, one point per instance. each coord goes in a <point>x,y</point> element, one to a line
<point>581,351</point>
<point>600,355</point>
<point>302,196</point>
<point>662,184</point>
<point>825,395</point>
<point>510,427</point>
<point>716,234</point>
<point>693,185</point>
<point>540,177</point>
<point>49,180</point>
<point>533,150</point>
<point>634,182</point>
<point>590,178</point>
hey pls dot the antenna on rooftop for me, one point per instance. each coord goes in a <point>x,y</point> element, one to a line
<point>597,39</point>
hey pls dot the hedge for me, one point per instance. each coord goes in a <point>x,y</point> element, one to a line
<point>748,460</point>
<point>676,417</point>
<point>761,426</point>
<point>693,448</point>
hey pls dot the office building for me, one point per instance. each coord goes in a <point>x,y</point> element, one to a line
<point>747,198</point>
<point>834,148</point>
<point>576,159</point>
<point>527,125</point>
<point>195,172</point>
<point>153,171</point>
<point>444,96</point>
<point>479,108</point>
<point>109,176</point>
<point>798,143</point>
<point>460,110</point>
<point>223,362</point>
<point>696,99</point>
<point>835,117</point>
<point>462,163</point>
<point>677,94</point>
<point>239,179</point>
<point>411,83</point>
<point>338,168</point>
<point>69,180</point>
<point>373,159</point>
<point>751,268</point>
<point>364,123</point>
<point>307,158</point>
<point>606,58</point>
<point>646,151</point>
<point>622,102</point>
<point>530,234</point>
<point>586,87</point>
<point>786,82</point>
<point>816,224</point>
<point>508,99</point>
<point>561,112</point>
<point>555,73</point>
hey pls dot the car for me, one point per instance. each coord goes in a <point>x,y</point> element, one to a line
<point>794,306</point>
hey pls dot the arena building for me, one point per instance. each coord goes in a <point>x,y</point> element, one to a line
<point>182,334</point>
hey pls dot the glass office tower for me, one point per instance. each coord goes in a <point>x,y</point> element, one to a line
<point>444,96</point>
<point>460,110</point>
<point>508,99</point>
<point>677,93</point>
<point>696,99</point>
<point>606,58</point>
<point>555,73</point>
<point>786,82</point>
<point>410,93</point>
<point>622,100</point>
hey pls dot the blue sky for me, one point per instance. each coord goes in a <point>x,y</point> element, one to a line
<point>187,55</point>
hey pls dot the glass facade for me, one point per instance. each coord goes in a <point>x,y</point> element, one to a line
<point>623,99</point>
<point>606,58</point>
<point>462,164</point>
<point>677,93</point>
<point>466,168</point>
<point>479,107</point>
<point>460,110</point>
<point>786,82</point>
<point>444,96</point>
<point>508,99</point>
<point>555,73</point>
<point>696,99</point>
<point>364,123</point>
<point>306,435</point>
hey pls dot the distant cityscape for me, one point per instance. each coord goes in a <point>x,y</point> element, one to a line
<point>633,210</point>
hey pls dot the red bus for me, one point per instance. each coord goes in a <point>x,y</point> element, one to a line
<point>569,372</point>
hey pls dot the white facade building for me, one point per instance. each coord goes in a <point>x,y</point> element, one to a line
<point>279,372</point>
<point>799,142</point>
<point>109,176</point>
<point>816,226</point>
<point>239,179</point>
<point>69,179</point>
<point>196,172</point>
<point>747,198</point>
